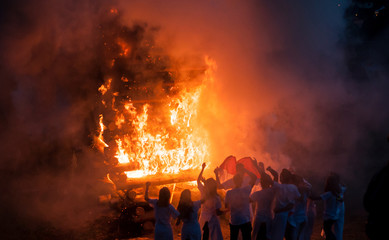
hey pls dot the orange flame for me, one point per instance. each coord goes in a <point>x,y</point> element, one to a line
<point>147,145</point>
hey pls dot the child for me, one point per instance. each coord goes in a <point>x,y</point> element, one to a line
<point>163,212</point>
<point>238,202</point>
<point>188,214</point>
<point>263,200</point>
<point>210,209</point>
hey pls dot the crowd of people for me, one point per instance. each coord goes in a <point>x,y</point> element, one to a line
<point>262,205</point>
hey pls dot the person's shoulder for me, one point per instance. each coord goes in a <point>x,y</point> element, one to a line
<point>276,184</point>
<point>256,194</point>
<point>247,188</point>
<point>152,201</point>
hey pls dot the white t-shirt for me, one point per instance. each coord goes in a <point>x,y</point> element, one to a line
<point>239,203</point>
<point>285,194</point>
<point>163,214</point>
<point>208,208</point>
<point>263,200</point>
<point>331,206</point>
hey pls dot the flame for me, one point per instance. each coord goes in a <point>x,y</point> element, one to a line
<point>155,136</point>
<point>99,140</point>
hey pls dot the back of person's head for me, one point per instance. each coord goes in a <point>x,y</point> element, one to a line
<point>333,184</point>
<point>239,168</point>
<point>285,176</point>
<point>297,180</point>
<point>266,181</point>
<point>164,197</point>
<point>130,195</point>
<point>185,205</point>
<point>238,180</point>
<point>211,187</point>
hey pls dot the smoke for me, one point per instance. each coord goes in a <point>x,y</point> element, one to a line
<point>283,93</point>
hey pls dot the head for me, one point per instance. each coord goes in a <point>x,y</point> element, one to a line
<point>266,181</point>
<point>239,169</point>
<point>238,180</point>
<point>297,180</point>
<point>286,176</point>
<point>333,184</point>
<point>186,196</point>
<point>164,197</point>
<point>185,205</point>
<point>130,195</point>
<point>210,187</point>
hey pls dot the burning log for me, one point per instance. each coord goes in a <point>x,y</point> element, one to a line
<point>159,179</point>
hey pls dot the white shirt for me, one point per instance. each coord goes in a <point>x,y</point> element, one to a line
<point>285,194</point>
<point>263,199</point>
<point>239,203</point>
<point>208,208</point>
<point>163,214</point>
<point>331,206</point>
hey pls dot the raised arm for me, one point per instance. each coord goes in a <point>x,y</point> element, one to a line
<point>147,191</point>
<point>259,166</point>
<point>201,174</point>
<point>274,173</point>
<point>219,185</point>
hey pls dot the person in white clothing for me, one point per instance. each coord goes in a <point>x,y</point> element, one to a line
<point>163,212</point>
<point>298,218</point>
<point>263,200</point>
<point>237,201</point>
<point>285,197</point>
<point>188,215</point>
<point>311,215</point>
<point>333,200</point>
<point>339,223</point>
<point>210,209</point>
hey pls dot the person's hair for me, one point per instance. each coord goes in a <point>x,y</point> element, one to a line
<point>239,167</point>
<point>238,180</point>
<point>266,181</point>
<point>333,184</point>
<point>164,197</point>
<point>211,187</point>
<point>185,205</point>
<point>297,180</point>
<point>285,176</point>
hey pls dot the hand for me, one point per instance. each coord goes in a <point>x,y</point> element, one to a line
<point>148,184</point>
<point>203,166</point>
<point>268,168</point>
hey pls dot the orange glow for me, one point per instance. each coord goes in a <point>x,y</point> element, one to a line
<point>161,138</point>
<point>124,47</point>
<point>99,140</point>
